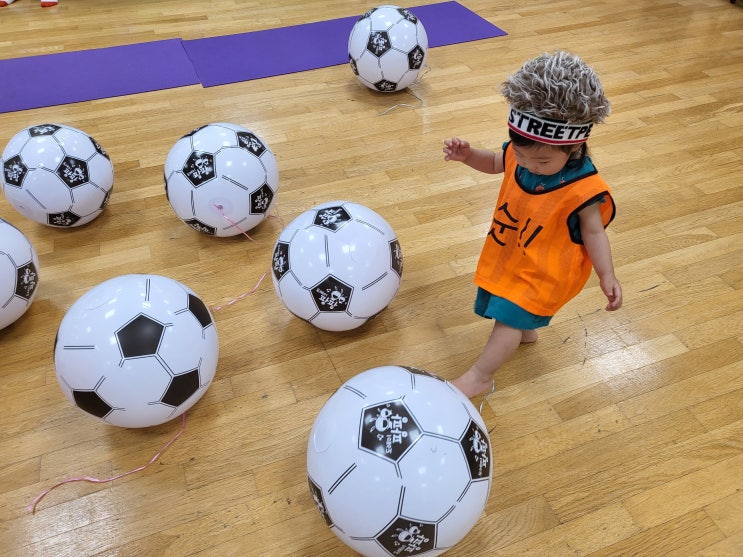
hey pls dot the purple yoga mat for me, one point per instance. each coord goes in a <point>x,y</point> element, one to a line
<point>246,56</point>
<point>69,77</point>
<point>54,79</point>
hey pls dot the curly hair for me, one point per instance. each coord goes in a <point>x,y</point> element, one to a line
<point>559,86</point>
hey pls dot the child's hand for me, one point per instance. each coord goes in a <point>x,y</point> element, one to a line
<point>456,149</point>
<point>613,292</point>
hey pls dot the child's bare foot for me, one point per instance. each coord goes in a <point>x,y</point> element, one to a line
<point>528,336</point>
<point>472,384</point>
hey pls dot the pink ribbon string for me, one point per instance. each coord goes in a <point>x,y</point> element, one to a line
<point>277,217</point>
<point>241,296</point>
<point>252,291</point>
<point>232,222</point>
<point>37,500</point>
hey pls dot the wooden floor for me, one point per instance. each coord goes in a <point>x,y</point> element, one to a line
<point>615,434</point>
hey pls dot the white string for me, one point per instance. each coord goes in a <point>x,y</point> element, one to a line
<point>407,90</point>
<point>390,109</point>
<point>484,398</point>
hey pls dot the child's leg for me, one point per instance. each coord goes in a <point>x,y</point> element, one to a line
<point>48,3</point>
<point>4,3</point>
<point>501,345</point>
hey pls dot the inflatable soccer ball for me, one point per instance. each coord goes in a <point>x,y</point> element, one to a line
<point>136,350</point>
<point>399,463</point>
<point>19,273</point>
<point>387,48</point>
<point>56,175</point>
<point>221,179</point>
<point>337,265</point>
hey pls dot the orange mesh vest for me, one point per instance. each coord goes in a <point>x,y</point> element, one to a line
<point>530,257</point>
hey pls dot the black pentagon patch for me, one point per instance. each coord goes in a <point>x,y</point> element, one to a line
<point>368,14</point>
<point>385,86</point>
<point>201,227</point>
<point>92,403</point>
<point>181,388</point>
<point>73,172</point>
<point>106,199</point>
<point>408,537</point>
<point>354,67</point>
<point>98,148</point>
<point>260,200</point>
<point>15,171</point>
<point>199,310</point>
<point>415,58</point>
<point>332,295</point>
<point>280,265</point>
<point>199,168</point>
<point>65,218</point>
<point>27,279</point>
<point>165,181</point>
<point>388,429</point>
<point>140,337</point>
<point>319,501</point>
<point>332,218</point>
<point>378,43</point>
<point>43,129</point>
<point>250,142</point>
<point>396,257</point>
<point>407,14</point>
<point>476,450</point>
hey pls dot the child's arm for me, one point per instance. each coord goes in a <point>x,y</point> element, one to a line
<point>456,149</point>
<point>597,244</point>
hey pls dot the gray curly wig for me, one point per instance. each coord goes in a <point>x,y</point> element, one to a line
<point>559,86</point>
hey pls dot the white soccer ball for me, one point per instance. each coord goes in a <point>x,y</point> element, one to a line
<point>56,175</point>
<point>399,463</point>
<point>19,273</point>
<point>221,179</point>
<point>337,265</point>
<point>387,48</point>
<point>136,350</point>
